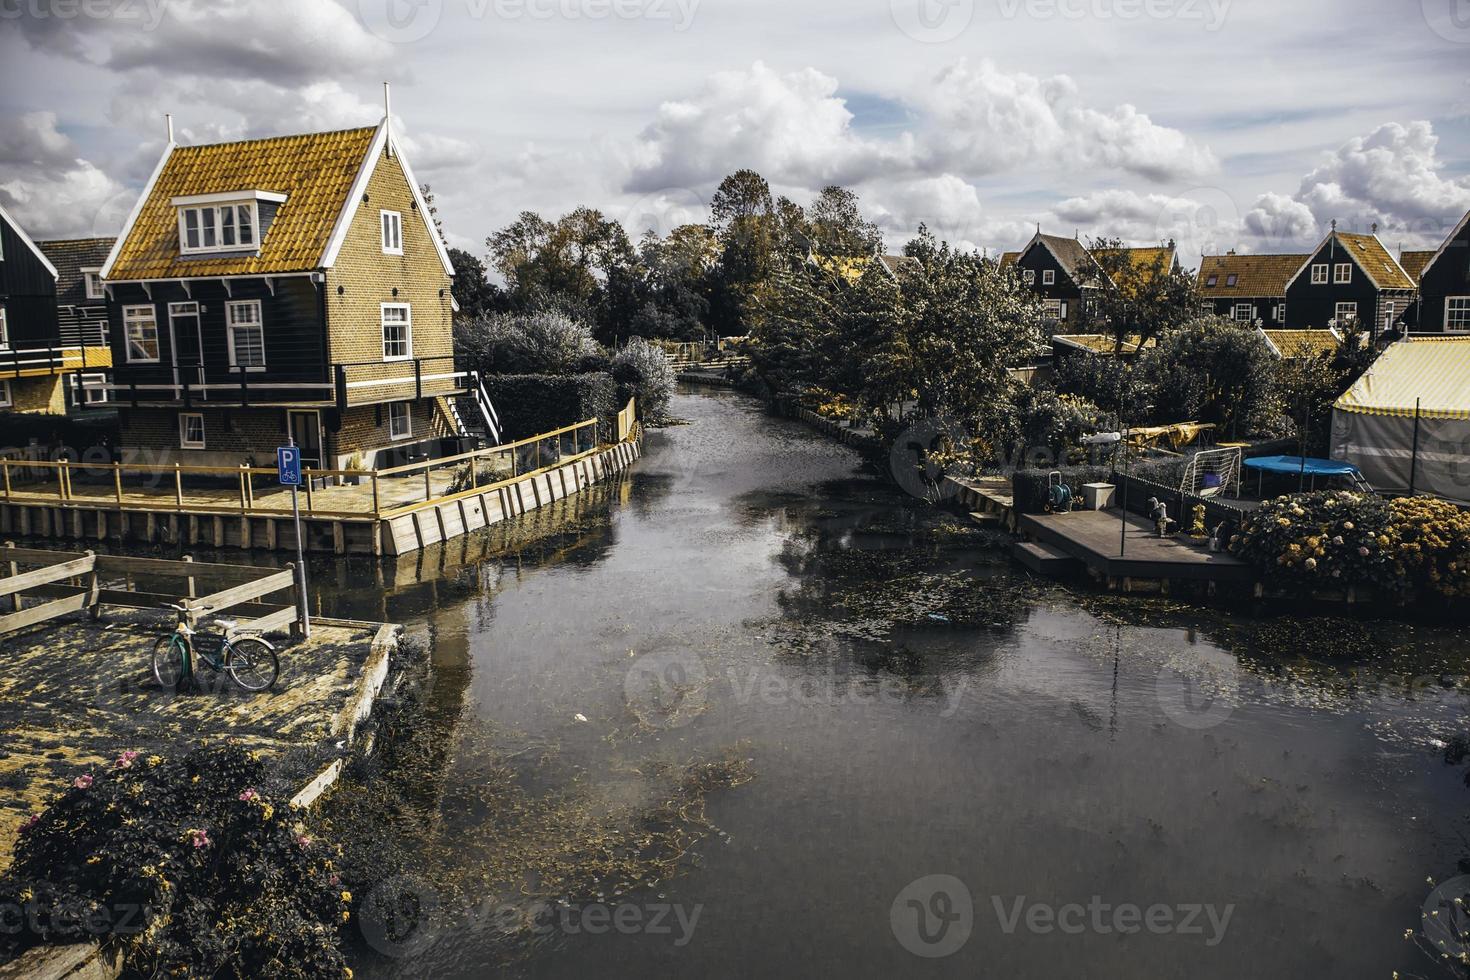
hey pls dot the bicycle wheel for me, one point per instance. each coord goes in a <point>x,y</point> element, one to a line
<point>252,664</point>
<point>169,668</point>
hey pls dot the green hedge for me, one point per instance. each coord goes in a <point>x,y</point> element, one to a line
<point>1028,487</point>
<point>530,404</point>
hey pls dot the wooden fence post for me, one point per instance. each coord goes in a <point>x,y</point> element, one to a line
<point>193,591</point>
<point>308,491</point>
<point>117,483</point>
<point>178,487</point>
<point>14,570</point>
<point>5,465</point>
<point>94,591</point>
<point>377,508</point>
<point>242,488</point>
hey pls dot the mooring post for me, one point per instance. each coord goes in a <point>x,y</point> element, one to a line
<point>189,560</point>
<point>14,570</point>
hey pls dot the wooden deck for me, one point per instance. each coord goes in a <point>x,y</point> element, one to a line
<point>1092,537</point>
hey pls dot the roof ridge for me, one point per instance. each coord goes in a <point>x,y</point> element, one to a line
<point>272,139</point>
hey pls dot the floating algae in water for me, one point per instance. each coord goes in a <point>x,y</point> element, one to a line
<point>454,818</point>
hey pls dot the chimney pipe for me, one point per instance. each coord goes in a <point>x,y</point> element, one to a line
<point>388,118</point>
<point>168,121</point>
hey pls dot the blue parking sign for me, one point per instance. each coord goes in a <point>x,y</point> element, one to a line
<point>288,465</point>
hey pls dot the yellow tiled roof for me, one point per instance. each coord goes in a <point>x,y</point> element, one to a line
<point>1152,259</point>
<point>1369,252</point>
<point>1414,262</point>
<point>1101,343</point>
<point>1008,259</point>
<point>1256,276</point>
<point>1302,343</point>
<point>315,171</point>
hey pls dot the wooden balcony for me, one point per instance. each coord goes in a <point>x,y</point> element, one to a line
<point>40,362</point>
<point>340,386</point>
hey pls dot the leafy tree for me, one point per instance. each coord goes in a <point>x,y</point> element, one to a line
<point>643,372</point>
<point>428,194</point>
<point>527,343</point>
<point>1211,370</point>
<point>838,226</point>
<point>741,212</point>
<point>793,234</point>
<point>476,295</point>
<point>1142,299</point>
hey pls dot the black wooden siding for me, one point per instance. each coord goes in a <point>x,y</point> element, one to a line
<point>294,330</point>
<point>1038,258</point>
<point>1264,308</point>
<point>28,292</point>
<point>1311,306</point>
<point>1449,276</point>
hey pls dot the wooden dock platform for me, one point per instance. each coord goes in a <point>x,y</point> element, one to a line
<point>1093,538</point>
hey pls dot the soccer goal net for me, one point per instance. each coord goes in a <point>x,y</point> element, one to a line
<point>1212,473</point>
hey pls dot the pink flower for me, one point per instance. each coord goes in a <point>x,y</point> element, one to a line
<point>83,782</point>
<point>200,838</point>
<point>248,796</point>
<point>303,841</point>
<point>335,880</point>
<point>1363,552</point>
<point>31,823</point>
<point>125,761</point>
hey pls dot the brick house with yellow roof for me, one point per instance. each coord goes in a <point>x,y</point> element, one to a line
<point>290,286</point>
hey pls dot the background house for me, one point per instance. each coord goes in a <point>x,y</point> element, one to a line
<point>1248,288</point>
<point>81,314</point>
<point>1068,278</point>
<point>37,362</point>
<point>1349,277</point>
<point>286,286</point>
<point>1444,285</point>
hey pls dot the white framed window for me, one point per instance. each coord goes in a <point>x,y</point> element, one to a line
<point>397,332</point>
<point>1346,312</point>
<point>5,400</point>
<point>92,278</point>
<point>1278,313</point>
<point>1457,314</point>
<point>246,334</point>
<point>1342,272</point>
<point>4,329</point>
<point>89,389</point>
<point>226,227</point>
<point>140,327</point>
<point>1028,276</point>
<point>191,430</point>
<point>1319,274</point>
<point>1048,277</point>
<point>400,420</point>
<point>1243,313</point>
<point>1052,308</point>
<point>392,232</point>
<point>1062,310</point>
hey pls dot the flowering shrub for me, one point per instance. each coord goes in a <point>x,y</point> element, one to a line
<point>1337,538</point>
<point>185,865</point>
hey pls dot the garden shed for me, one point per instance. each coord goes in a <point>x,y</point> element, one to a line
<point>1406,422</point>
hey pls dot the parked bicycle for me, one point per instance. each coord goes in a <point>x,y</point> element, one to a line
<point>249,661</point>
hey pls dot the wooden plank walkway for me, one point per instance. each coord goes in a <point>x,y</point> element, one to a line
<point>1092,537</point>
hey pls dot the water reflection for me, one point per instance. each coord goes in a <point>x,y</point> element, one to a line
<point>752,601</point>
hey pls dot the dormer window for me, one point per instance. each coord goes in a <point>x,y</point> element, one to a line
<point>93,280</point>
<point>1231,279</point>
<point>228,222</point>
<point>1212,281</point>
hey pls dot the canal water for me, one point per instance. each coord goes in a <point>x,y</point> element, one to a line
<point>754,712</point>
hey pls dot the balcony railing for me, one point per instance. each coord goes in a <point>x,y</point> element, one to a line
<point>358,383</point>
<point>18,362</point>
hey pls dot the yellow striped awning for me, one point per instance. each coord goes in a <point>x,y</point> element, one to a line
<point>1432,373</point>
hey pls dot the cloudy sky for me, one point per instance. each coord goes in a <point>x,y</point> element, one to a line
<point>1245,124</point>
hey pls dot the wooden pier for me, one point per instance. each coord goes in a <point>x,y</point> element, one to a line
<point>377,512</point>
<point>1093,541</point>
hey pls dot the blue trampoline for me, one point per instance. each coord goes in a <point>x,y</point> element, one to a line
<point>1310,467</point>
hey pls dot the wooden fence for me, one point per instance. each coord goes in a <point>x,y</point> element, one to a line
<point>69,582</point>
<point>331,494</point>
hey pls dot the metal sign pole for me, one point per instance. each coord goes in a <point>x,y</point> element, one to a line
<point>300,550</point>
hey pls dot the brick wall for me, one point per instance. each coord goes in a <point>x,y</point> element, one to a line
<point>39,395</point>
<point>231,436</point>
<point>364,277</point>
<point>365,430</point>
